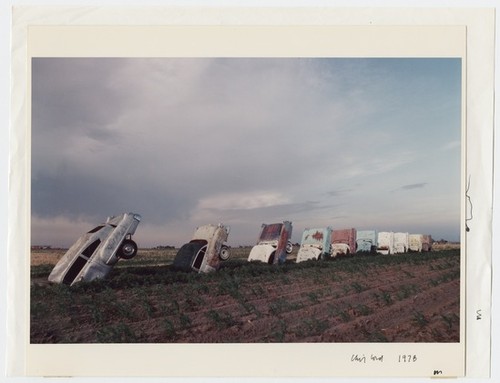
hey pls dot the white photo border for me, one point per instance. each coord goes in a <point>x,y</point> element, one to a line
<point>54,32</point>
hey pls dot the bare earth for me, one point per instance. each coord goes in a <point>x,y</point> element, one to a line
<point>404,298</point>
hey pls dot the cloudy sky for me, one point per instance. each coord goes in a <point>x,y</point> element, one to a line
<point>364,143</point>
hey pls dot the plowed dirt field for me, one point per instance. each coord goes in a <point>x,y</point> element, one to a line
<point>399,298</point>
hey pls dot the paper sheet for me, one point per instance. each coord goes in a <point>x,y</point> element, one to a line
<point>212,32</point>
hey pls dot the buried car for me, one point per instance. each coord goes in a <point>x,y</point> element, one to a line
<point>343,242</point>
<point>401,242</point>
<point>315,244</point>
<point>273,244</point>
<point>95,253</point>
<point>385,242</point>
<point>205,251</point>
<point>366,241</point>
<point>420,242</point>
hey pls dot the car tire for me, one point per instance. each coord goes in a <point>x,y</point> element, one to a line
<point>289,247</point>
<point>224,253</point>
<point>128,249</point>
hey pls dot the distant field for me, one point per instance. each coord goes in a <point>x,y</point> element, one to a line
<point>445,246</point>
<point>166,256</point>
<point>400,298</point>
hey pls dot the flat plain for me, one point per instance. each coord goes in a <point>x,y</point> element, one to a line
<point>413,297</point>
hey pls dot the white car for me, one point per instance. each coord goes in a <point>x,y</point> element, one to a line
<point>205,251</point>
<point>273,244</point>
<point>385,242</point>
<point>401,242</point>
<point>95,253</point>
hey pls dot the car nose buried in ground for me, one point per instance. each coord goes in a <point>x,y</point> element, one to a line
<point>315,244</point>
<point>95,253</point>
<point>273,244</point>
<point>343,242</point>
<point>366,241</point>
<point>205,251</point>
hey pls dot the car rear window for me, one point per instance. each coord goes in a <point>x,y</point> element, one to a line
<point>89,250</point>
<point>96,229</point>
<point>271,232</point>
<point>74,270</point>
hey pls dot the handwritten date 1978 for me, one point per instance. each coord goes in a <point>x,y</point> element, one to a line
<point>407,358</point>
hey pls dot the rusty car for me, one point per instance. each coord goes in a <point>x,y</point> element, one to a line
<point>206,250</point>
<point>273,244</point>
<point>315,244</point>
<point>343,242</point>
<point>95,253</point>
<point>420,242</point>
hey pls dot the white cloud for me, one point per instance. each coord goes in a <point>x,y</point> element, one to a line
<point>245,200</point>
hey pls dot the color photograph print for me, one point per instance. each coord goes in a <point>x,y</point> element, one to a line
<point>361,156</point>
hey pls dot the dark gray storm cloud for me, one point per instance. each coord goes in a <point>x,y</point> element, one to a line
<point>77,194</point>
<point>74,96</point>
<point>113,130</point>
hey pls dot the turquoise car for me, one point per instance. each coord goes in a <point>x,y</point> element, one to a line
<point>315,244</point>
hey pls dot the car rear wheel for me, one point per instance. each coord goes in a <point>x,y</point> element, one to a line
<point>289,247</point>
<point>224,253</point>
<point>128,249</point>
